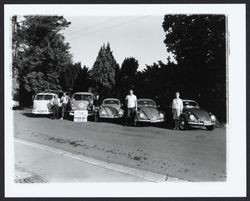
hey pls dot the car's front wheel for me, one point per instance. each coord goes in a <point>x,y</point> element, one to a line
<point>210,128</point>
<point>183,124</point>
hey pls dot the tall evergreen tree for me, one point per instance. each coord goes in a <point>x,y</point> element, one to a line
<point>104,69</point>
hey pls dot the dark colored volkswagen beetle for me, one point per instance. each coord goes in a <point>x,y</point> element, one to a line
<point>148,111</point>
<point>194,116</point>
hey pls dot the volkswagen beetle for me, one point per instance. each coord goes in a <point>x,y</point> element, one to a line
<point>111,109</point>
<point>193,115</point>
<point>148,111</point>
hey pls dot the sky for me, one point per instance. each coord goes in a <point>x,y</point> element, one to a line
<point>129,36</point>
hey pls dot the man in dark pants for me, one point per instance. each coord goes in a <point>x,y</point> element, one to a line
<point>55,102</point>
<point>131,103</point>
<point>96,108</point>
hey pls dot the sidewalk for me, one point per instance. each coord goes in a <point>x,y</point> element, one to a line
<point>34,165</point>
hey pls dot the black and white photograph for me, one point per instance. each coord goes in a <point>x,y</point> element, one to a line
<point>124,96</point>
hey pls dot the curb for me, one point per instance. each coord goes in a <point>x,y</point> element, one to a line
<point>144,174</point>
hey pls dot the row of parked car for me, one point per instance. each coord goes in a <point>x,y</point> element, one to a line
<point>112,108</point>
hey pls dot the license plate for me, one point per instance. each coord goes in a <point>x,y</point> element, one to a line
<point>207,123</point>
<point>153,120</point>
<point>42,111</point>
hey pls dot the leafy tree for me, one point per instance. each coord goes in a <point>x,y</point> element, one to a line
<point>15,47</point>
<point>104,69</point>
<point>198,43</point>
<point>128,73</point>
<point>83,80</point>
<point>129,67</point>
<point>40,53</point>
<point>69,76</point>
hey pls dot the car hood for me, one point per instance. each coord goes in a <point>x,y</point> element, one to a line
<point>201,114</point>
<point>150,112</point>
<point>111,109</point>
<point>80,105</point>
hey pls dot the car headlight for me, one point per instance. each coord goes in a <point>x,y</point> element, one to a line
<point>213,117</point>
<point>103,112</point>
<point>161,116</point>
<point>192,117</point>
<point>120,112</point>
<point>142,115</point>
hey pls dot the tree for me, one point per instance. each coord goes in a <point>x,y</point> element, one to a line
<point>129,67</point>
<point>83,80</point>
<point>41,53</point>
<point>104,69</point>
<point>69,76</point>
<point>128,73</point>
<point>198,43</point>
<point>15,47</point>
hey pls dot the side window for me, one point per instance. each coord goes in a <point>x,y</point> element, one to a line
<point>48,97</point>
<point>39,97</point>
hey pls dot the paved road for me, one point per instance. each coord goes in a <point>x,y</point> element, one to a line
<point>37,165</point>
<point>193,155</point>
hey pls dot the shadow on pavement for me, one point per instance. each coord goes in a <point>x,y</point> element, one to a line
<point>31,115</point>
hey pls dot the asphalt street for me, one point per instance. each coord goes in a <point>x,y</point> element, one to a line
<point>192,155</point>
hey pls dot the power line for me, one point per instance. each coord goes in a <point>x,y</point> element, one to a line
<point>130,21</point>
<point>103,22</point>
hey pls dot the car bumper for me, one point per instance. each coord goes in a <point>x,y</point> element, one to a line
<point>151,121</point>
<point>110,117</point>
<point>90,113</point>
<point>207,123</point>
<point>35,111</point>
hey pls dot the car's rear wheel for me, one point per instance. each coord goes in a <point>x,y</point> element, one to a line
<point>210,128</point>
<point>183,124</point>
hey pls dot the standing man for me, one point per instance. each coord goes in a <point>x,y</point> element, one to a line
<point>55,103</point>
<point>131,102</point>
<point>96,108</point>
<point>177,107</point>
<point>64,101</point>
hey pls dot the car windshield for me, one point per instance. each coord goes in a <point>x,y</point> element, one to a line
<point>82,97</point>
<point>147,103</point>
<point>111,102</point>
<point>190,104</point>
<point>39,97</point>
<point>43,97</point>
<point>47,97</point>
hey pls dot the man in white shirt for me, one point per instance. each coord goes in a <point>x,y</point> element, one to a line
<point>55,103</point>
<point>131,103</point>
<point>177,107</point>
<point>64,101</point>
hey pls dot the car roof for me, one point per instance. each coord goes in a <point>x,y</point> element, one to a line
<point>111,99</point>
<point>85,93</point>
<point>189,100</point>
<point>46,93</point>
<point>145,99</point>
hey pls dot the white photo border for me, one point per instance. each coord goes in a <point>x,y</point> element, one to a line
<point>235,186</point>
